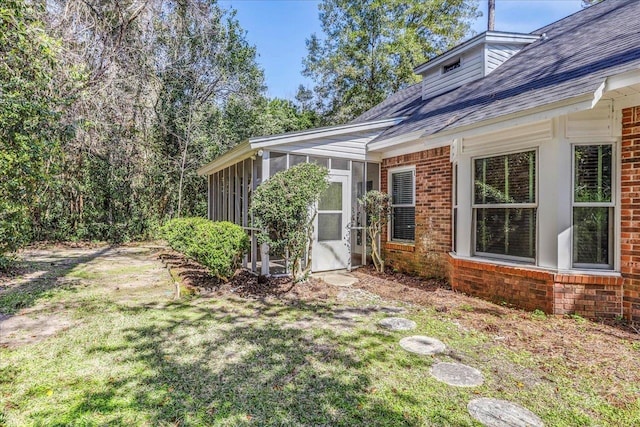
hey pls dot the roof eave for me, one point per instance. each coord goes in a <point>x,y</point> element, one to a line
<point>272,140</point>
<point>237,153</point>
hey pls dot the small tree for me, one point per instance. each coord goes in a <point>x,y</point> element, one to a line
<point>285,207</point>
<point>377,205</point>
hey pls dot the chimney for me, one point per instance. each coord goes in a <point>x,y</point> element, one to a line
<point>492,15</point>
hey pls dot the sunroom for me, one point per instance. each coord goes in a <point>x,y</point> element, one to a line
<point>339,241</point>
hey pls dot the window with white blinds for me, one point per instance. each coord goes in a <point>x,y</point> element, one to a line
<point>593,206</point>
<point>403,205</point>
<point>505,206</point>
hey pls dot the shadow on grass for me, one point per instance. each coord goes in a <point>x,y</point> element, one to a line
<point>51,277</point>
<point>251,369</point>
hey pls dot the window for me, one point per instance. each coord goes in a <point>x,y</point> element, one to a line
<point>454,219</point>
<point>277,162</point>
<point>504,206</point>
<point>593,206</point>
<point>403,205</point>
<point>450,67</point>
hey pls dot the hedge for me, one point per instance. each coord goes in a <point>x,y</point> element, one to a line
<point>219,246</point>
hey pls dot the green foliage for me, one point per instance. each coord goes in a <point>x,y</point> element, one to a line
<point>285,208</point>
<point>538,314</point>
<point>370,48</point>
<point>28,117</point>
<point>377,206</point>
<point>219,246</point>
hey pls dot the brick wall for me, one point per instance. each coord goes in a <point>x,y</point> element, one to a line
<point>521,287</point>
<point>591,296</point>
<point>630,211</point>
<point>427,257</point>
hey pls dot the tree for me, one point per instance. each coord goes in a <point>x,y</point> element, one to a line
<point>285,207</point>
<point>157,83</point>
<point>29,104</point>
<point>204,59</point>
<point>370,48</point>
<point>377,206</point>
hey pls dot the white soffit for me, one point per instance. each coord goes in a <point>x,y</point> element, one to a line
<point>287,138</point>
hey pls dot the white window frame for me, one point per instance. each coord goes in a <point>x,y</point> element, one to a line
<point>390,173</point>
<point>475,206</point>
<point>454,205</point>
<point>611,205</point>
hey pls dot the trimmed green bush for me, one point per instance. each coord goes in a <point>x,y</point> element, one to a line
<point>219,246</point>
<point>285,208</point>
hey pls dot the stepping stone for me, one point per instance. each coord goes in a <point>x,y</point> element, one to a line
<point>349,313</point>
<point>422,345</point>
<point>397,324</point>
<point>457,374</point>
<point>338,279</point>
<point>502,413</point>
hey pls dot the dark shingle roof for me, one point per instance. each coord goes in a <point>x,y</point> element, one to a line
<point>574,58</point>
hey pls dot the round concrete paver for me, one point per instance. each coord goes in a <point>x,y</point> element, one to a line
<point>422,345</point>
<point>397,324</point>
<point>457,374</point>
<point>502,413</point>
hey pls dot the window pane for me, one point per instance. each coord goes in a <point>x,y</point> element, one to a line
<point>454,232</point>
<point>322,161</point>
<point>591,235</point>
<point>509,232</point>
<point>505,179</point>
<point>295,159</point>
<point>277,163</point>
<point>329,226</point>
<point>592,173</point>
<point>402,188</point>
<point>403,223</point>
<point>341,164</point>
<point>331,200</point>
<point>373,176</point>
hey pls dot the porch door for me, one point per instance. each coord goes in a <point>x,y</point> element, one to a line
<point>330,250</point>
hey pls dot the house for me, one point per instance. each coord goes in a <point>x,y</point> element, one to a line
<point>514,167</point>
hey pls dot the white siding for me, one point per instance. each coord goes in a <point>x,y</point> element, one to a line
<point>496,54</point>
<point>471,68</point>
<point>349,146</point>
<point>592,123</point>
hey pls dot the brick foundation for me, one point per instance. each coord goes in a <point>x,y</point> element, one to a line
<point>630,211</point>
<point>427,256</point>
<point>591,296</point>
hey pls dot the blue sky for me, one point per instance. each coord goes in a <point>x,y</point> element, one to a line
<point>279,28</point>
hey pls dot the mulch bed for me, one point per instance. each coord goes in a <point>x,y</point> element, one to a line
<point>196,279</point>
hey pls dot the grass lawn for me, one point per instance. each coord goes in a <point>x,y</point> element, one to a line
<point>127,353</point>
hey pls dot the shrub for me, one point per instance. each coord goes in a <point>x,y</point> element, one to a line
<point>219,246</point>
<point>285,207</point>
<point>377,205</point>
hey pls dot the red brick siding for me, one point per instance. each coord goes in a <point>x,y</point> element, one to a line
<point>427,257</point>
<point>630,211</point>
<point>531,289</point>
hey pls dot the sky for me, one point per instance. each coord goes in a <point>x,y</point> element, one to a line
<point>279,29</point>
